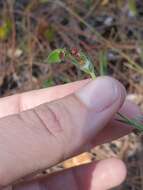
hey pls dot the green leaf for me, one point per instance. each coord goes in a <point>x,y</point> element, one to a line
<point>132,122</point>
<point>83,63</point>
<point>103,63</point>
<point>49,34</point>
<point>88,66</point>
<point>5,28</point>
<point>133,7</point>
<point>55,56</point>
<point>48,83</point>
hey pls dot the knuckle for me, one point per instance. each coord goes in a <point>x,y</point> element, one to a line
<point>56,119</point>
<point>64,121</point>
<point>70,114</point>
<point>49,118</point>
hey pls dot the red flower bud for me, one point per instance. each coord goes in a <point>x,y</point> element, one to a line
<point>74,51</point>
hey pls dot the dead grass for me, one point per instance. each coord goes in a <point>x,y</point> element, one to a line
<point>37,28</point>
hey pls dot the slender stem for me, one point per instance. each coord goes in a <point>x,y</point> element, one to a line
<point>93,76</point>
<point>131,63</point>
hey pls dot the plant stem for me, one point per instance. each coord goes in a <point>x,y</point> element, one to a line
<point>93,76</point>
<point>131,63</point>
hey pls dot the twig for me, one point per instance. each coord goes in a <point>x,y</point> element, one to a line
<point>101,39</point>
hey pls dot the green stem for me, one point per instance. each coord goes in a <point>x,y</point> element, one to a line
<point>132,64</point>
<point>93,76</point>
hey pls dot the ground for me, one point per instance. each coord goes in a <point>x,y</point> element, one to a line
<point>108,31</point>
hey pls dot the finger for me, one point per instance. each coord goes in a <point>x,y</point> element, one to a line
<point>115,129</point>
<point>21,102</point>
<point>52,132</point>
<point>103,175</point>
<point>34,98</point>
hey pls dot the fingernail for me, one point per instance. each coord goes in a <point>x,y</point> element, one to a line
<point>101,93</point>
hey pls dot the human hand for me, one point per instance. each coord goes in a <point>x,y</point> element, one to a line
<point>45,130</point>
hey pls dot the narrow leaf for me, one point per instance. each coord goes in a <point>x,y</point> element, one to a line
<point>103,63</point>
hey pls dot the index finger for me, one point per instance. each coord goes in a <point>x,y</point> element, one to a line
<point>24,101</point>
<point>24,139</point>
<point>21,102</point>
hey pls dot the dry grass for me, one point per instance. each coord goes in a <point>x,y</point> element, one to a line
<point>95,27</point>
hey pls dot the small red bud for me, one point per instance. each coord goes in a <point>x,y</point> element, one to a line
<point>74,51</point>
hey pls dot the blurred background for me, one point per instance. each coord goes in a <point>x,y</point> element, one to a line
<point>109,31</point>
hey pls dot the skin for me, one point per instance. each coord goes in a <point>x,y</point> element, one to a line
<point>30,131</point>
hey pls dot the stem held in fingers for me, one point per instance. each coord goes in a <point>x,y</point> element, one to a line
<point>84,63</point>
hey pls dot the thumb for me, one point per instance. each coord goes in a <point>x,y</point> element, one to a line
<point>43,136</point>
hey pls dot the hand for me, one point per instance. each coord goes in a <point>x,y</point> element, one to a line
<point>41,128</point>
